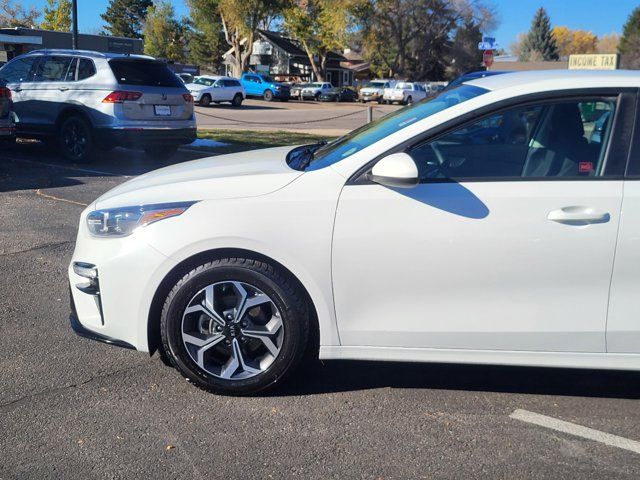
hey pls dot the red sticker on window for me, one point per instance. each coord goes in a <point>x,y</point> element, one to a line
<point>586,167</point>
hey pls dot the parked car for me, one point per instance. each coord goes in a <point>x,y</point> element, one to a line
<point>7,127</point>
<point>339,94</point>
<point>185,77</point>
<point>207,88</point>
<point>472,76</point>
<point>82,100</point>
<point>314,90</point>
<point>405,93</point>
<point>259,85</point>
<point>296,90</point>
<point>374,90</point>
<point>222,267</point>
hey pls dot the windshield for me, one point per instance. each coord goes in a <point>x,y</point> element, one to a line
<point>267,79</point>
<point>375,85</point>
<point>143,72</point>
<point>373,132</point>
<point>204,81</point>
<point>315,85</point>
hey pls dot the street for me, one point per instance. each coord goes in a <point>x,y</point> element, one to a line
<point>73,408</point>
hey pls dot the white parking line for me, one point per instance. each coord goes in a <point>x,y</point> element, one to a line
<point>577,430</point>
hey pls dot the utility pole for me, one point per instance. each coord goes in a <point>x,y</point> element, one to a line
<point>74,18</point>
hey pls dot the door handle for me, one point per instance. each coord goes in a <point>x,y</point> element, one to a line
<point>63,89</point>
<point>17,89</point>
<point>578,216</point>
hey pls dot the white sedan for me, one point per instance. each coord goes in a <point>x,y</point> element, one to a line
<point>481,226</point>
<point>405,93</point>
<point>206,89</point>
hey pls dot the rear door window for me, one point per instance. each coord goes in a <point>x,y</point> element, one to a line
<point>53,69</point>
<point>142,72</point>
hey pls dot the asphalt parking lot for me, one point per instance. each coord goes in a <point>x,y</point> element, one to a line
<point>71,408</point>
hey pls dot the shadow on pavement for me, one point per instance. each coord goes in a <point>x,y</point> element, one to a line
<point>344,376</point>
<point>33,165</point>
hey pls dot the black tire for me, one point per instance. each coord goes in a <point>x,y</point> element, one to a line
<point>75,139</point>
<point>205,101</point>
<point>161,152</point>
<point>285,295</point>
<point>409,100</point>
<point>268,95</point>
<point>237,100</point>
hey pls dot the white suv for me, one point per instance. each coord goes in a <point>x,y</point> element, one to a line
<point>206,89</point>
<point>374,90</point>
<point>82,100</point>
<point>405,93</point>
<point>314,90</point>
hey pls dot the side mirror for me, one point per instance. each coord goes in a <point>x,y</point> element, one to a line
<point>397,170</point>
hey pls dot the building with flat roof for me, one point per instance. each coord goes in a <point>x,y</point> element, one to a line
<point>16,41</point>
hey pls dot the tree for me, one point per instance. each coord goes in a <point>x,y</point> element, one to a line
<point>240,21</point>
<point>321,27</point>
<point>540,39</point>
<point>15,15</point>
<point>125,18</point>
<point>416,38</point>
<point>629,48</point>
<point>57,16</point>
<point>608,43</point>
<point>163,34</point>
<point>465,55</point>
<point>572,42</point>
<point>204,35</point>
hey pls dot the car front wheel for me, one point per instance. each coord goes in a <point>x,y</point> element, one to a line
<point>235,326</point>
<point>237,100</point>
<point>268,95</point>
<point>205,101</point>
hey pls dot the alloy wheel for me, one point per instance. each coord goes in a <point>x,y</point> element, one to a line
<point>232,330</point>
<point>75,138</point>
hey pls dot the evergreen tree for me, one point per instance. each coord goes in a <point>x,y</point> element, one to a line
<point>540,42</point>
<point>465,55</point>
<point>125,18</point>
<point>57,16</point>
<point>205,35</point>
<point>629,47</point>
<point>163,34</point>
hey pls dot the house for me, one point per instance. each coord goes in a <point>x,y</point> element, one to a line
<point>16,41</point>
<point>284,59</point>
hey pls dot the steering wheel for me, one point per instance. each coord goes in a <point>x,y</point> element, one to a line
<point>441,165</point>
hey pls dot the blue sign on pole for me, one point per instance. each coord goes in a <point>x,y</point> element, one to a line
<point>488,43</point>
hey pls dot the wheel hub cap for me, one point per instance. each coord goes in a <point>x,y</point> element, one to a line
<point>232,330</point>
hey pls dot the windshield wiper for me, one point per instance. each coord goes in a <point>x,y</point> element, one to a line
<point>300,158</point>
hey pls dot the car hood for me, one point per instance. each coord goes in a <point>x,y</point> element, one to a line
<point>195,86</point>
<point>246,174</point>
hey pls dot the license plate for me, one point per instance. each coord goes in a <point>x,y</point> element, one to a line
<point>162,110</point>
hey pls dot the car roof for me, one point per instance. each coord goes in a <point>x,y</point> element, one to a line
<point>559,79</point>
<point>86,53</point>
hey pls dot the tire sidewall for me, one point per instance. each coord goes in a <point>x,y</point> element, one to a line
<point>268,95</point>
<point>295,330</point>
<point>205,101</point>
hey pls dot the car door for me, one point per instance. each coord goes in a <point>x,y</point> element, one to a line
<point>218,91</point>
<point>51,90</point>
<point>507,242</point>
<point>18,75</point>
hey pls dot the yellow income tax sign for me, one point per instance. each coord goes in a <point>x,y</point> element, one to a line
<point>594,62</point>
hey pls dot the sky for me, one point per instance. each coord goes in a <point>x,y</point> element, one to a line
<point>600,16</point>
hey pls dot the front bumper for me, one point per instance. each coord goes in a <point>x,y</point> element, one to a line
<point>370,97</point>
<point>132,137</point>
<point>129,272</point>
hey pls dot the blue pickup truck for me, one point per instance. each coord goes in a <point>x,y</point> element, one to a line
<point>259,85</point>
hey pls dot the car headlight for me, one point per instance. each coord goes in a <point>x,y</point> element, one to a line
<point>120,222</point>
